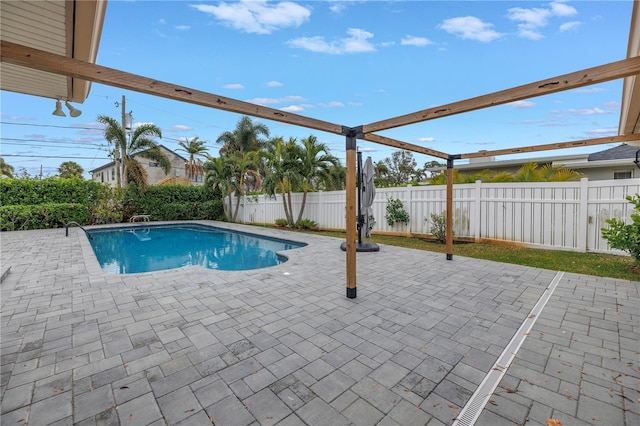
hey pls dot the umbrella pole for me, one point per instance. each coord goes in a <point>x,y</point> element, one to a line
<point>359,184</point>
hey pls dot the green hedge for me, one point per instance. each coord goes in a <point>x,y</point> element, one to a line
<point>23,192</point>
<point>172,202</point>
<point>43,216</point>
<point>53,202</point>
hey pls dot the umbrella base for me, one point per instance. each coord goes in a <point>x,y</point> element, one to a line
<point>363,247</point>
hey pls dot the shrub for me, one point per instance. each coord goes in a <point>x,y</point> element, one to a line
<point>282,223</point>
<point>625,236</point>
<point>396,212</point>
<point>50,190</point>
<point>439,226</point>
<point>171,202</point>
<point>306,224</point>
<point>109,207</point>
<point>50,215</point>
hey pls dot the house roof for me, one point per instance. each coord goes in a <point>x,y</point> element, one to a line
<point>619,152</point>
<point>111,163</point>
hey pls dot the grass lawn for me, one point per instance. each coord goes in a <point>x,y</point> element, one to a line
<point>603,265</point>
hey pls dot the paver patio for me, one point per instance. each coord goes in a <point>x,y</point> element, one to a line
<point>284,346</point>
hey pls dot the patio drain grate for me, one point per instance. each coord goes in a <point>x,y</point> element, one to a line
<point>479,399</point>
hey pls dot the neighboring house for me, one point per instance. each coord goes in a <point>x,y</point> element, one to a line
<point>614,163</point>
<point>155,174</point>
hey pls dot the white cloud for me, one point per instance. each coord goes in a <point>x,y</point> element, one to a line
<point>182,27</point>
<point>426,139</point>
<point>233,86</point>
<point>180,127</point>
<point>603,132</point>
<point>415,41</point>
<point>590,90</point>
<point>257,16</point>
<point>332,104</point>
<point>588,111</point>
<point>570,26</point>
<point>521,104</point>
<point>294,108</point>
<point>612,104</point>
<point>357,42</point>
<point>470,28</point>
<point>562,9</point>
<point>274,83</point>
<point>531,20</point>
<point>274,101</point>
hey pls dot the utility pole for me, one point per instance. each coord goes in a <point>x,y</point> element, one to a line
<point>117,150</point>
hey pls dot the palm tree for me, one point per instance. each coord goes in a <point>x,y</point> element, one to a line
<point>245,174</point>
<point>245,137</point>
<point>279,177</point>
<point>219,177</point>
<point>140,144</point>
<point>70,169</point>
<point>195,148</point>
<point>313,164</point>
<point>6,169</point>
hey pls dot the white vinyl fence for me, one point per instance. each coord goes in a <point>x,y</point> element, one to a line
<point>562,215</point>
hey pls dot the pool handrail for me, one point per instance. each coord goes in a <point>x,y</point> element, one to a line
<point>79,226</point>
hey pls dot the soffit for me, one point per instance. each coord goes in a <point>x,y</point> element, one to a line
<point>65,27</point>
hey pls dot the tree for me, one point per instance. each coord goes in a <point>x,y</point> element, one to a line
<point>6,169</point>
<point>244,166</point>
<point>312,161</point>
<point>70,169</point>
<point>381,179</point>
<point>195,148</point>
<point>245,137</point>
<point>218,177</point>
<point>140,144</point>
<point>401,167</point>
<point>280,177</point>
<point>528,172</point>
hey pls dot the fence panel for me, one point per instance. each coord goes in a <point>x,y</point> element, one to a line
<point>606,201</point>
<point>555,215</point>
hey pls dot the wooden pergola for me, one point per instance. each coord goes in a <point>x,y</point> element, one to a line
<point>36,59</point>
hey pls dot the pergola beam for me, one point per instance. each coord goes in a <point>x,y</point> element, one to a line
<point>552,146</point>
<point>33,58</point>
<point>589,76</point>
<point>383,140</point>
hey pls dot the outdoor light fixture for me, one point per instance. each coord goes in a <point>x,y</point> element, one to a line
<point>74,112</point>
<point>58,111</point>
<point>637,160</point>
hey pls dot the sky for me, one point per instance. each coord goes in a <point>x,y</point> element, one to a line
<point>345,62</point>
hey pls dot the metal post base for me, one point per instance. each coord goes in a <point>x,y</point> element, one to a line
<point>351,293</point>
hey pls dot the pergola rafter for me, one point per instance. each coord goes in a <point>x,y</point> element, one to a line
<point>37,59</point>
<point>574,80</point>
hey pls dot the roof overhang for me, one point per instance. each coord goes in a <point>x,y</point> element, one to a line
<point>70,28</point>
<point>630,111</point>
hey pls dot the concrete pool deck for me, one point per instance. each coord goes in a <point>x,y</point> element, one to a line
<point>284,346</point>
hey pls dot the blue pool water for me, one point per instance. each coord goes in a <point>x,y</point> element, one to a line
<point>158,247</point>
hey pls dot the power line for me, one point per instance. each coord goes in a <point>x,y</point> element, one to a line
<point>49,125</point>
<point>32,145</point>
<point>50,156</point>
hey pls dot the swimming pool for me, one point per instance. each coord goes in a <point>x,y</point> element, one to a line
<point>158,247</point>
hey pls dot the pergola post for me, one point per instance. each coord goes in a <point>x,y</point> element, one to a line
<point>351,212</point>
<point>449,239</point>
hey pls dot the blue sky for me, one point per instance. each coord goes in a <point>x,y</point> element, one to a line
<point>347,62</point>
